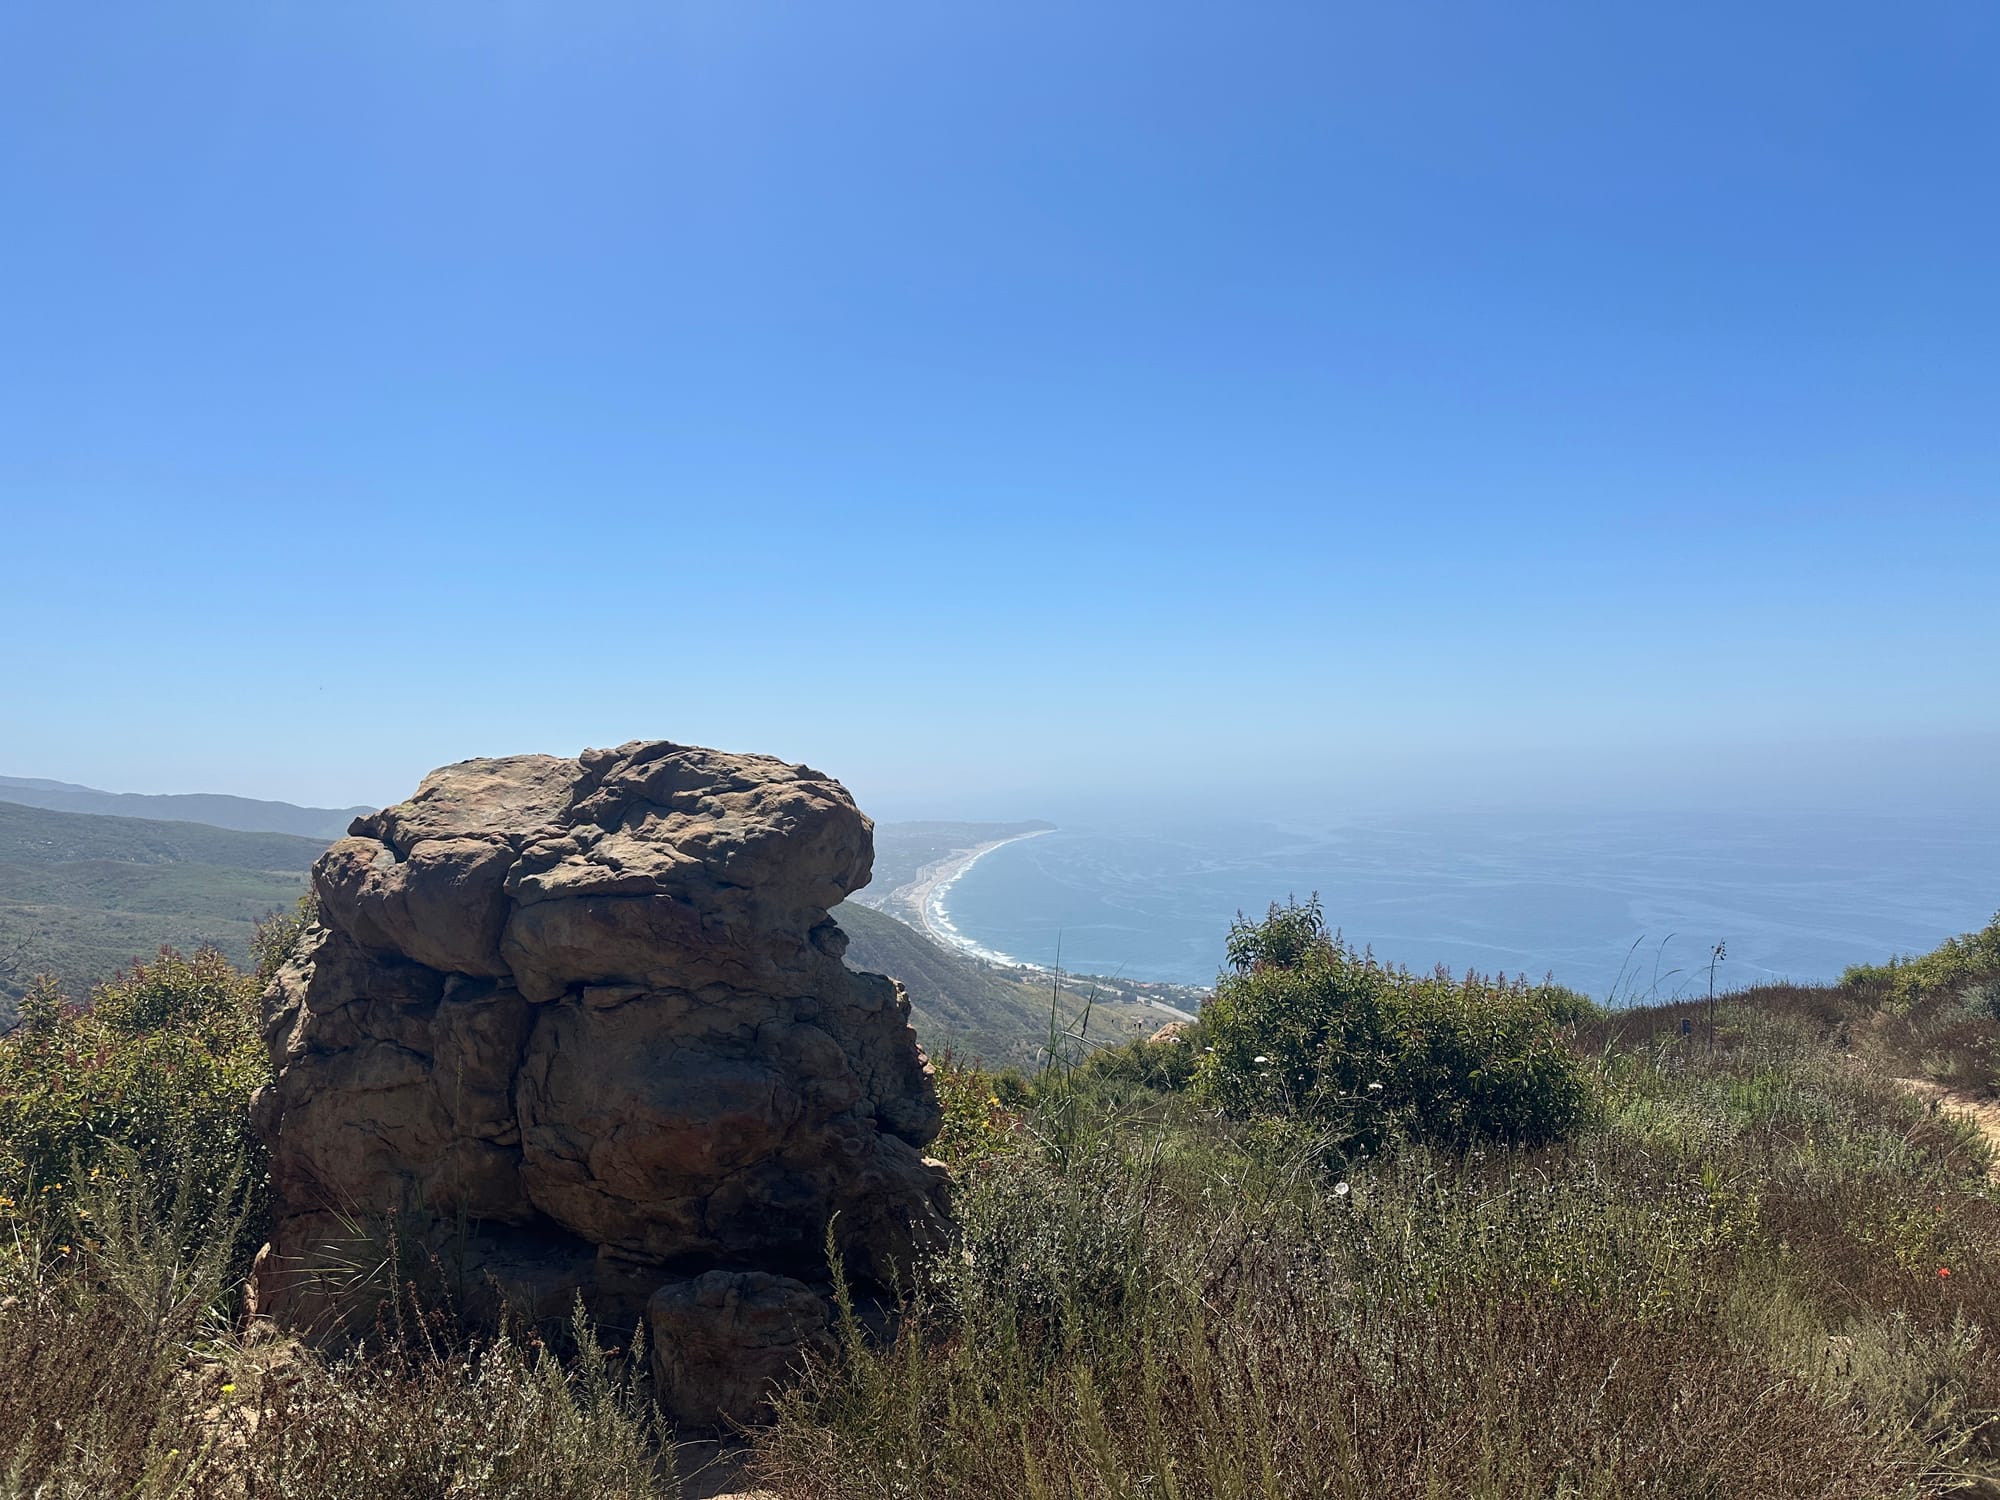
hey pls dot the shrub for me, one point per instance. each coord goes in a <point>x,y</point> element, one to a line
<point>1728,1288</point>
<point>1967,961</point>
<point>1167,1066</point>
<point>1308,1029</point>
<point>156,1075</point>
<point>976,1122</point>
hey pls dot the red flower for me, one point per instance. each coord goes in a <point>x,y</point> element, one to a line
<point>1943,1271</point>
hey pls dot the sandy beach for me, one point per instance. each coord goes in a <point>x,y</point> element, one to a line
<point>923,899</point>
<point>923,903</point>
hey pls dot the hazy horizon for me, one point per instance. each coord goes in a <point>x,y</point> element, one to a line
<point>1884,777</point>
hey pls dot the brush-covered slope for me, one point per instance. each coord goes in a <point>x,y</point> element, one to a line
<point>82,895</point>
<point>967,1005</point>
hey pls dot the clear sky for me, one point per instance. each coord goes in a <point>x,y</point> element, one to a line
<point>1003,406</point>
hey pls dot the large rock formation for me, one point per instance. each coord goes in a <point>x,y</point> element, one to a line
<point>582,1027</point>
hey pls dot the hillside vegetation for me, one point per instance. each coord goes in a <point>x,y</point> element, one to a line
<point>1655,1264</point>
<point>1557,1252</point>
<point>962,1005</point>
<point>82,896</point>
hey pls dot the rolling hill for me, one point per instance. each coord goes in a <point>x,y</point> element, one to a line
<point>243,814</point>
<point>82,895</point>
<point>967,1005</point>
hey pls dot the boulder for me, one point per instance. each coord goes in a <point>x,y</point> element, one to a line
<point>582,1027</point>
<point>724,1339</point>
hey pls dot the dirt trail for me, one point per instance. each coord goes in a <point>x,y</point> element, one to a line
<point>1984,1113</point>
<point>711,1470</point>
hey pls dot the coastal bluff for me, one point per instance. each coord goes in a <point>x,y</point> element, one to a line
<point>582,1028</point>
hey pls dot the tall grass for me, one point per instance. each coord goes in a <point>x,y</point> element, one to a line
<point>1759,1268</point>
<point>122,1375</point>
<point>1765,1271</point>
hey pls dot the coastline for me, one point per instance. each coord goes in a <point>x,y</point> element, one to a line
<point>923,902</point>
<point>925,898</point>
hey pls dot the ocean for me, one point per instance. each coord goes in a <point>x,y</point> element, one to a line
<point>1792,895</point>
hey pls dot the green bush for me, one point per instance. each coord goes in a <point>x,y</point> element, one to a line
<point>1167,1065</point>
<point>1307,1029</point>
<point>1961,963</point>
<point>153,1079</point>
<point>1729,1287</point>
<point>976,1122</point>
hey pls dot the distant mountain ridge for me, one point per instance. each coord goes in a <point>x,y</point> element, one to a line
<point>217,810</point>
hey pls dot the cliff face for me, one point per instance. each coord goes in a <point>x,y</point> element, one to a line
<point>582,1027</point>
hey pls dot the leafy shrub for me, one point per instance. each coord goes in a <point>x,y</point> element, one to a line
<point>1969,960</point>
<point>154,1077</point>
<point>1568,1007</point>
<point>1306,1028</point>
<point>1728,1287</point>
<point>1167,1065</point>
<point>976,1122</point>
<point>1057,1238</point>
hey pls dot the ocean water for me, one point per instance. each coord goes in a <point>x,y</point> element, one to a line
<point>1792,895</point>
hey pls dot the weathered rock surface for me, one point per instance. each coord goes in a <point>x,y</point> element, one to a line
<point>582,1027</point>
<point>722,1339</point>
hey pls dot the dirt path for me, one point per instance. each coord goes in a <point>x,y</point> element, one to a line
<point>1984,1113</point>
<point>709,1470</point>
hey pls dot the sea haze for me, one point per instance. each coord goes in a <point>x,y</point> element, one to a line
<point>1793,895</point>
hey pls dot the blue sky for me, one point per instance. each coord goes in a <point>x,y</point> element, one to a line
<point>1004,407</point>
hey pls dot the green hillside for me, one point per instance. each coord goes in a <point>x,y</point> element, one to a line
<point>82,895</point>
<point>38,836</point>
<point>964,1004</point>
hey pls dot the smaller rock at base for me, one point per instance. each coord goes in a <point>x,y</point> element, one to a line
<point>1172,1032</point>
<point>724,1340</point>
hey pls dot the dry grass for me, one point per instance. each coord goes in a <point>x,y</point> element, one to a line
<point>1764,1269</point>
<point>120,1376</point>
<point>1728,1285</point>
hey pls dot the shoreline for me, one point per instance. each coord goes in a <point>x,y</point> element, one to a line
<point>926,897</point>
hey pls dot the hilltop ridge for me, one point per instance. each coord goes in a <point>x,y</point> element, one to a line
<point>215,809</point>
